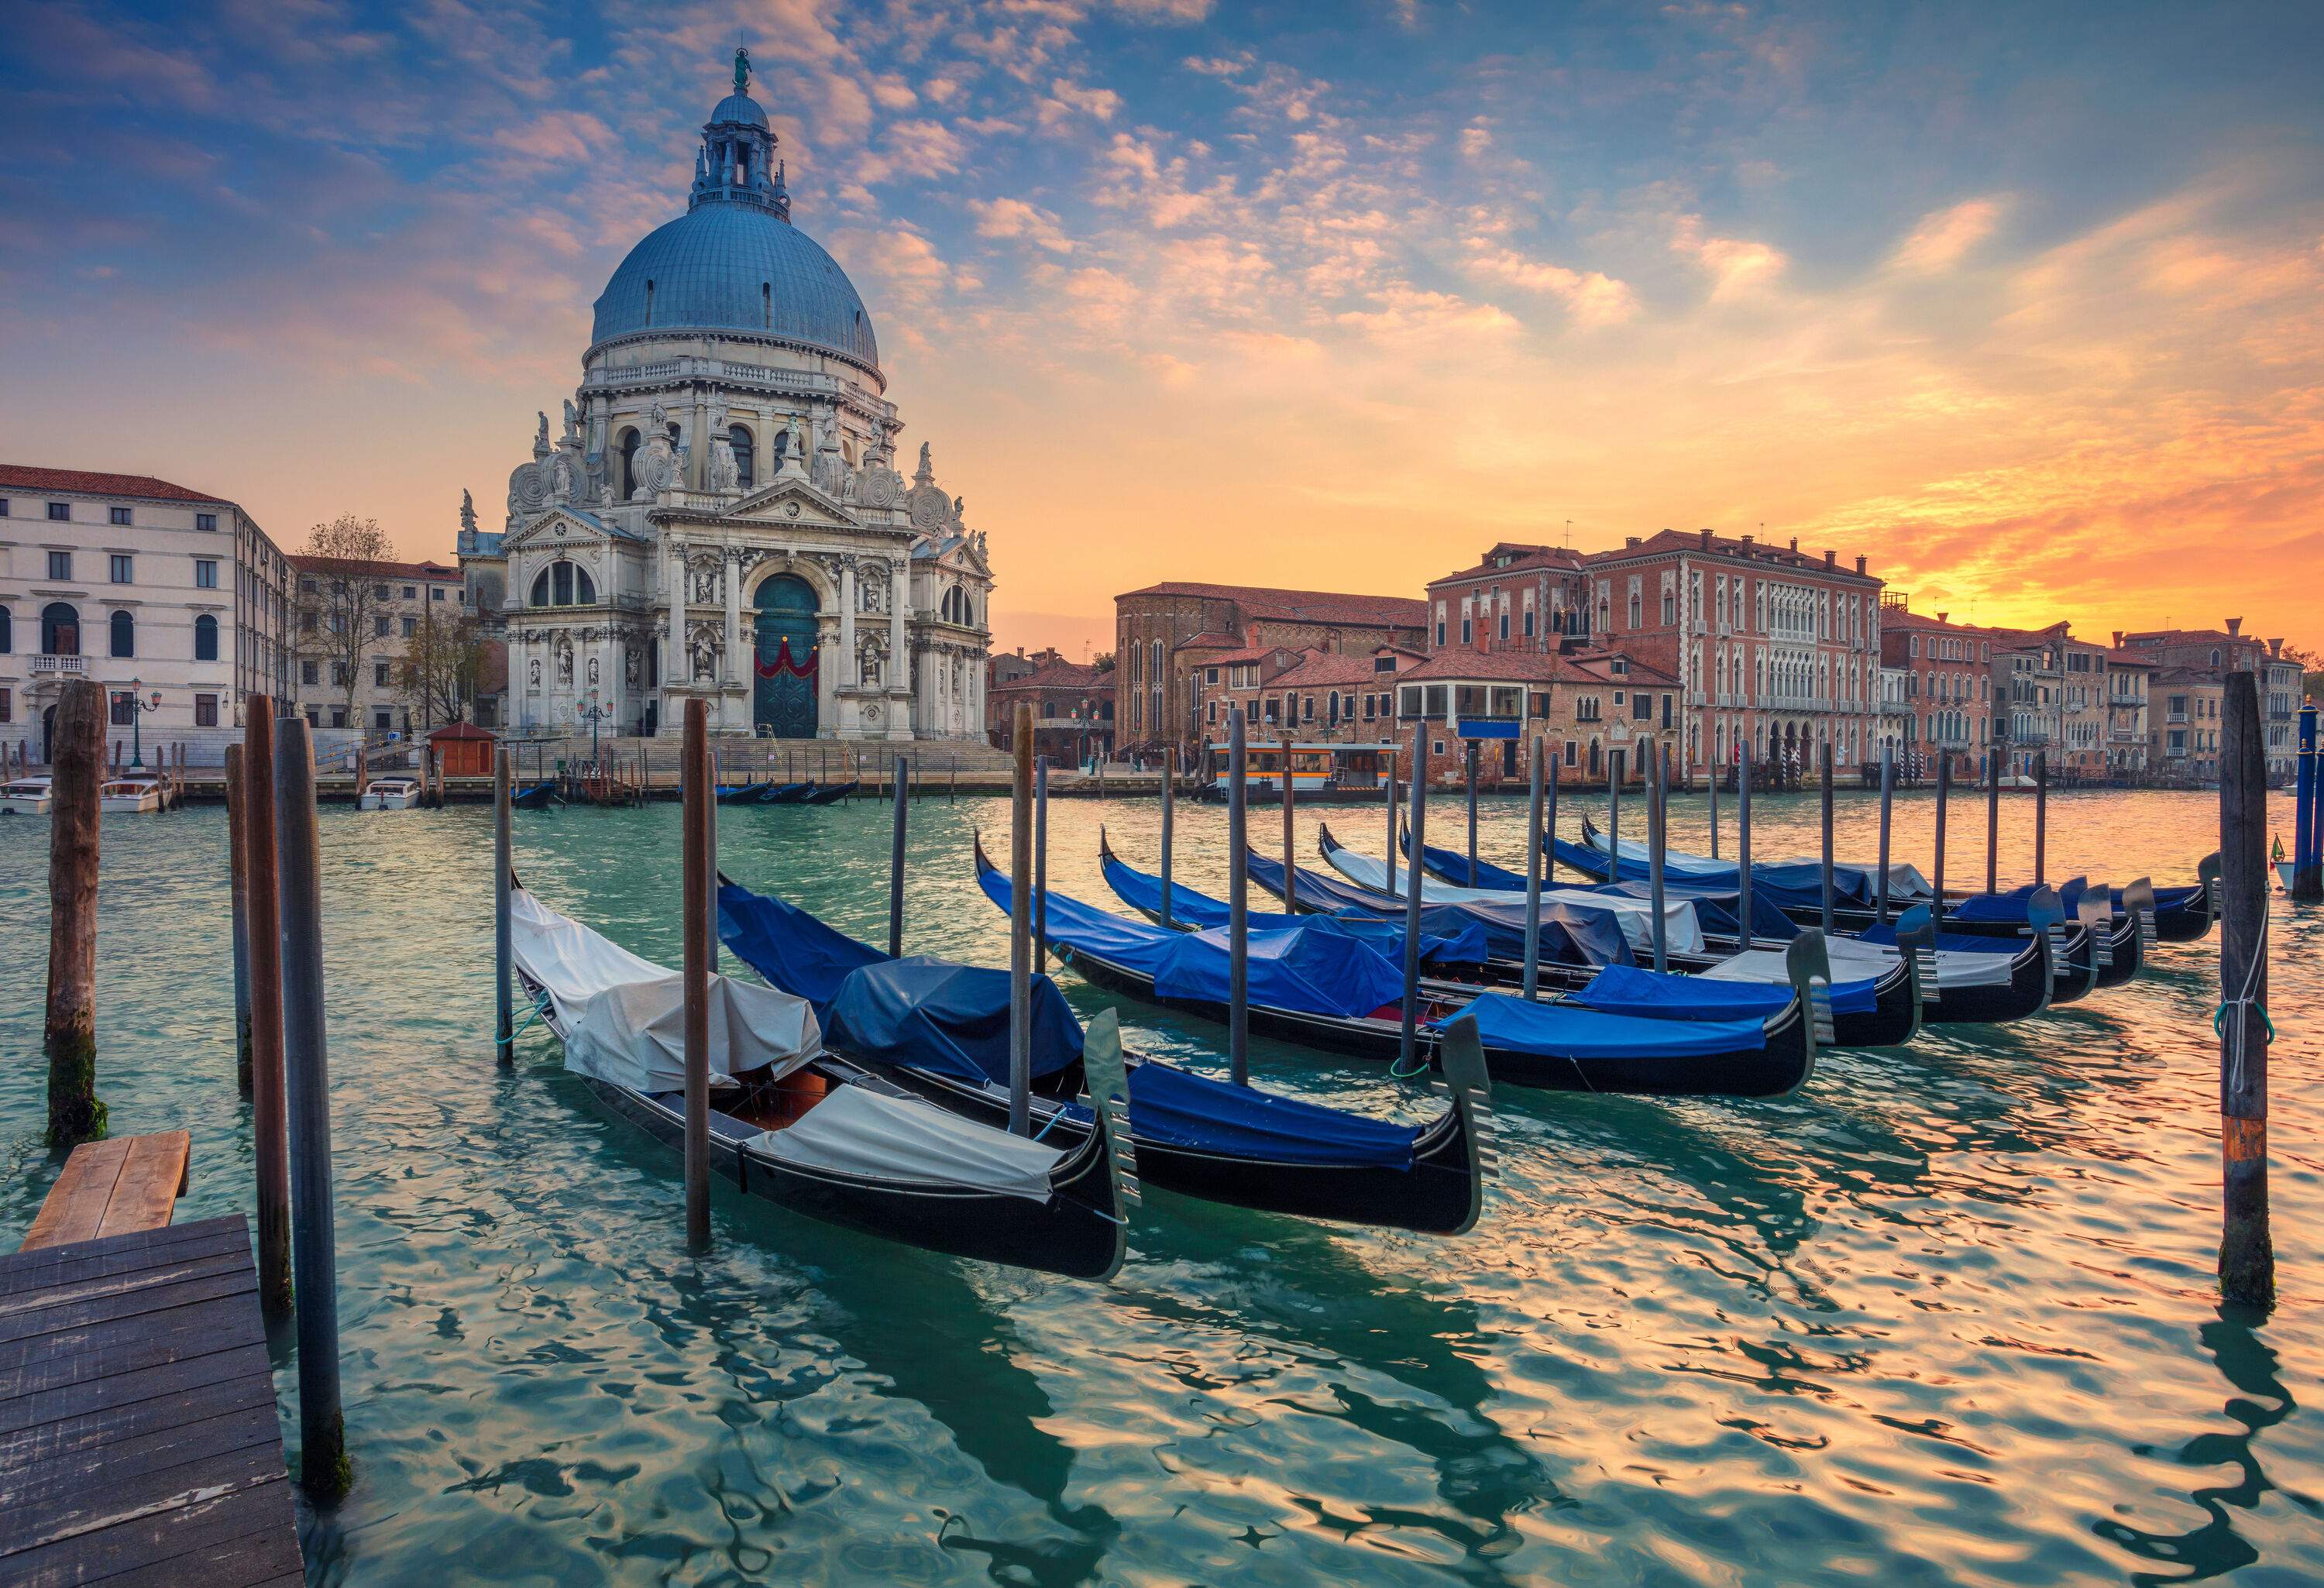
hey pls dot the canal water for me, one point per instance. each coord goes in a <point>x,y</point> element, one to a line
<point>1946,1316</point>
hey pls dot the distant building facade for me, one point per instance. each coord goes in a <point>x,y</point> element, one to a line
<point>148,587</point>
<point>2218,652</point>
<point>1590,705</point>
<point>400,599</point>
<point>1944,673</point>
<point>1072,708</point>
<point>1168,637</point>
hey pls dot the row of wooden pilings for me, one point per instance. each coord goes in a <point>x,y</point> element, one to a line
<point>282,1060</point>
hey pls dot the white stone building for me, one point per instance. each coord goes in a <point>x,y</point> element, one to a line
<point>175,601</point>
<point>720,515</point>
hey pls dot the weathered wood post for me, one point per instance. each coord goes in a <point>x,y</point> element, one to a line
<point>237,849</point>
<point>1992,822</point>
<point>1169,778</point>
<point>1394,854</point>
<point>1655,815</point>
<point>1533,871</point>
<point>1826,919</point>
<point>1469,770</point>
<point>323,1470</point>
<point>2040,816</point>
<point>1743,842</point>
<point>1020,924</point>
<point>1887,791</point>
<point>1944,798</point>
<point>2246,1249</point>
<point>2307,819</point>
<point>1238,900</point>
<point>700,795</point>
<point>1711,779</point>
<point>269,1131</point>
<point>896,820</point>
<point>1549,825</point>
<point>1041,866</point>
<point>1614,816</point>
<point>1409,1035</point>
<point>77,749</point>
<point>503,941</point>
<point>1290,837</point>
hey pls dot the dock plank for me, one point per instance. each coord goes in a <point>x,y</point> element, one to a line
<point>140,1442</point>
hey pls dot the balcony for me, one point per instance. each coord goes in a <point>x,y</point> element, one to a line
<point>66,667</point>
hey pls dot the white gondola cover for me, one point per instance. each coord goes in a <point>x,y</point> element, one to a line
<point>1854,961</point>
<point>625,1017</point>
<point>856,1131</point>
<point>1682,932</point>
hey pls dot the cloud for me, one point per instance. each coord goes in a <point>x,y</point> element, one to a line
<point>1013,218</point>
<point>1068,99</point>
<point>1173,13</point>
<point>1739,267</point>
<point>1944,236</point>
<point>1593,298</point>
<point>1476,138</point>
<point>916,148</point>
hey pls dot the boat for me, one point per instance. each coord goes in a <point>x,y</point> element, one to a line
<point>1312,984</point>
<point>2183,912</point>
<point>391,794</point>
<point>784,793</point>
<point>801,1127</point>
<point>1960,982</point>
<point>1190,1133</point>
<point>25,796</point>
<point>541,795</point>
<point>829,793</point>
<point>742,793</point>
<point>123,795</point>
<point>1587,962</point>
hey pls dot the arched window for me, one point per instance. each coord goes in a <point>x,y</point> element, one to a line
<point>627,448</point>
<point>205,638</point>
<point>60,628</point>
<point>584,588</point>
<point>739,438</point>
<point>561,583</point>
<point>125,634</point>
<point>8,631</point>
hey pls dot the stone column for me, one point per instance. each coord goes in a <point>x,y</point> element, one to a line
<point>676,671</point>
<point>730,569</point>
<point>899,594</point>
<point>848,678</point>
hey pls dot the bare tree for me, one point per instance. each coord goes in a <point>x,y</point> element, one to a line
<point>443,667</point>
<point>341,595</point>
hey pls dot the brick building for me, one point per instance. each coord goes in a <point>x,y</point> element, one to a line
<point>1589,702</point>
<point>390,602</point>
<point>2130,680</point>
<point>2183,709</point>
<point>1073,707</point>
<point>1325,696</point>
<point>1169,638</point>
<point>1944,687</point>
<point>1769,644</point>
<point>1517,597</point>
<point>2218,652</point>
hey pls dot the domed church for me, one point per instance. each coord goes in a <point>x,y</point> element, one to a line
<point>721,515</point>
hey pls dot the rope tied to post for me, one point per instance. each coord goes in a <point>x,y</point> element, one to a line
<point>2230,1009</point>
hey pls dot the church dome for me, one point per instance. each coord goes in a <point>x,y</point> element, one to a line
<point>738,109</point>
<point>737,267</point>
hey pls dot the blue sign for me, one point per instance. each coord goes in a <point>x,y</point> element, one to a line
<point>1488,728</point>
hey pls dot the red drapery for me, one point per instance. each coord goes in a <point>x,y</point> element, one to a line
<point>785,665</point>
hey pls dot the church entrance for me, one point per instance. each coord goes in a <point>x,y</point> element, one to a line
<point>783,702</point>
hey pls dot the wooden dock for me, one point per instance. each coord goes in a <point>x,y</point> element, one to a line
<point>138,1440</point>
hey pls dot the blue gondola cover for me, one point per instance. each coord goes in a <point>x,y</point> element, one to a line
<point>1621,989</point>
<point>949,1019</point>
<point>1173,1106</point>
<point>1446,936</point>
<point>1564,1030</point>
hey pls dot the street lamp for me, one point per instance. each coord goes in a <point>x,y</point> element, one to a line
<point>137,710</point>
<point>591,714</point>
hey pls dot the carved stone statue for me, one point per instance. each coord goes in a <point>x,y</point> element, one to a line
<point>565,663</point>
<point>629,666</point>
<point>467,514</point>
<point>705,582</point>
<point>593,673</point>
<point>725,474</point>
<point>572,421</point>
<point>540,437</point>
<point>560,479</point>
<point>533,672</point>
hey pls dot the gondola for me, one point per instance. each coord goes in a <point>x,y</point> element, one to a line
<point>784,794</point>
<point>828,793</point>
<point>540,796</point>
<point>1324,989</point>
<point>1961,982</point>
<point>1880,1009</point>
<point>808,1130</point>
<point>742,793</point>
<point>1190,1133</point>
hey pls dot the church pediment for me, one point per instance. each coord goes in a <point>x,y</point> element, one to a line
<point>561,526</point>
<point>789,501</point>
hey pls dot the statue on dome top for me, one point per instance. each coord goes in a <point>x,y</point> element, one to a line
<point>741,69</point>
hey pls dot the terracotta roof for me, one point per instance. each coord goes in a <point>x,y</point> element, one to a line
<point>369,569</point>
<point>1208,640</point>
<point>17,476</point>
<point>460,731</point>
<point>1318,669</point>
<point>1521,557</point>
<point>1315,606</point>
<point>2129,658</point>
<point>1253,653</point>
<point>1060,675</point>
<point>1533,667</point>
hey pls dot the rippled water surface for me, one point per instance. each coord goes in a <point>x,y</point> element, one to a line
<point>1948,1315</point>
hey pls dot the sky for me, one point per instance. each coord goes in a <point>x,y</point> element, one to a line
<point>2025,303</point>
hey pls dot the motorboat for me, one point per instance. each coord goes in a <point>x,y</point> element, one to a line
<point>25,796</point>
<point>391,794</point>
<point>129,795</point>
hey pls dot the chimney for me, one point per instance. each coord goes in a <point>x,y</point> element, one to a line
<point>1859,568</point>
<point>1706,539</point>
<point>2117,638</point>
<point>1630,540</point>
<point>1830,557</point>
<point>1747,539</point>
<point>2235,627</point>
<point>1795,542</point>
<point>1941,616</point>
<point>2276,648</point>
